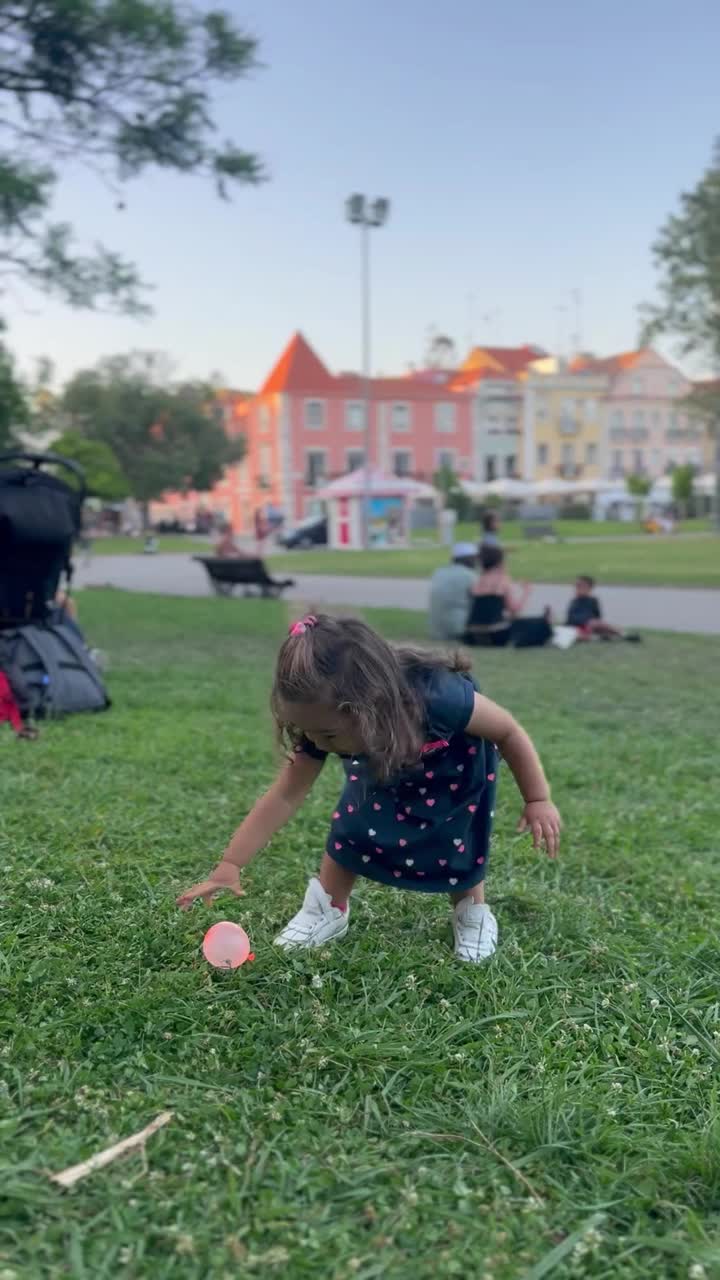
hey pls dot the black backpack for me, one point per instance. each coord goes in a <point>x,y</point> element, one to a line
<point>40,516</point>
<point>50,671</point>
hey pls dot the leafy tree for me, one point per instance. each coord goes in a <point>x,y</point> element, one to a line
<point>103,474</point>
<point>638,485</point>
<point>687,256</point>
<point>14,411</point>
<point>683,483</point>
<point>164,436</point>
<point>455,496</point>
<point>121,86</point>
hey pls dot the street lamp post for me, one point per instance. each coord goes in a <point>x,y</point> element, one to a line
<point>366,214</point>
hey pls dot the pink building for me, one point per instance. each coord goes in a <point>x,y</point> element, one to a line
<point>306,426</point>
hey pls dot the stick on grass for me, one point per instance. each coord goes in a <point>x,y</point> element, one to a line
<point>70,1176</point>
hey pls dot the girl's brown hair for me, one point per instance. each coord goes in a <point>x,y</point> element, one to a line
<point>342,664</point>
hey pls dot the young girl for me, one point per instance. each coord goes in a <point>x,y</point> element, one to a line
<point>420,749</point>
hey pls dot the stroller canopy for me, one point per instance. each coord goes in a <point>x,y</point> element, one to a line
<point>40,516</point>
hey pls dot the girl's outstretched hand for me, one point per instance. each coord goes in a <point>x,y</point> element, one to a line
<point>226,876</point>
<point>542,819</point>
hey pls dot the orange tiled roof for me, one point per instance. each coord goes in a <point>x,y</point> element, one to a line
<point>509,360</point>
<point>611,364</point>
<point>298,369</point>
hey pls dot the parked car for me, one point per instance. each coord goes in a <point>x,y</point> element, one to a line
<point>312,532</point>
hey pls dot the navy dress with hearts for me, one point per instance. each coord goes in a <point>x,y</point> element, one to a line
<point>428,829</point>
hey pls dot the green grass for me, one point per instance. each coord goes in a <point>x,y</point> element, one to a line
<point>375,1110</point>
<point>124,546</point>
<point>684,562</point>
<point>512,530</point>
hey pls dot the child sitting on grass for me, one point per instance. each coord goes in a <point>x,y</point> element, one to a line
<point>420,749</point>
<point>585,613</point>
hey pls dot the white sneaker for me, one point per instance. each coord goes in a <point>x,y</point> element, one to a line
<point>476,931</point>
<point>317,921</point>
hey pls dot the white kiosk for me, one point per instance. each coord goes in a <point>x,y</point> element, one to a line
<point>389,500</point>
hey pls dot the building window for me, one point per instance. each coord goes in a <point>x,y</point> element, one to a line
<point>264,417</point>
<point>400,417</point>
<point>638,461</point>
<point>591,454</point>
<point>568,457</point>
<point>444,416</point>
<point>511,465</point>
<point>617,419</point>
<point>314,467</point>
<point>490,468</point>
<point>354,415</point>
<point>590,410</point>
<point>617,462</point>
<point>640,418</point>
<point>638,386</point>
<point>355,459</point>
<point>402,462</point>
<point>672,421</point>
<point>542,455</point>
<point>567,408</point>
<point>445,459</point>
<point>264,465</point>
<point>314,414</point>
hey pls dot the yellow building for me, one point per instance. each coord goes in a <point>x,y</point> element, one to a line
<point>563,432</point>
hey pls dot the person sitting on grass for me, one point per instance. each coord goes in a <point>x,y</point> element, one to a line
<point>496,605</point>
<point>420,749</point>
<point>450,589</point>
<point>585,613</point>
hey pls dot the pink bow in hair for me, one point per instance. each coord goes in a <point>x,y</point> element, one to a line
<point>305,624</point>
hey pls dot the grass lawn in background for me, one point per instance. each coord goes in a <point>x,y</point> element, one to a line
<point>175,543</point>
<point>374,1109</point>
<point>685,562</point>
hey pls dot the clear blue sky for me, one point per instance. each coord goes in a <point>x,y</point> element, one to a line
<point>528,150</point>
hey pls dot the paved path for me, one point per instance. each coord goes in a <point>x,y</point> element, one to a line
<point>659,608</point>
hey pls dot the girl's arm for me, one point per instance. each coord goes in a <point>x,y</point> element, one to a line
<point>540,816</point>
<point>267,816</point>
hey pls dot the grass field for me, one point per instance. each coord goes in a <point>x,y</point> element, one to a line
<point>685,562</point>
<point>375,1110</point>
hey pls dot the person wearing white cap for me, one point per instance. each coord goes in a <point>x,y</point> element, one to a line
<point>450,593</point>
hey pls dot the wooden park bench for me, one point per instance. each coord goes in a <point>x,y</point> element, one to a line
<point>252,575</point>
<point>540,529</point>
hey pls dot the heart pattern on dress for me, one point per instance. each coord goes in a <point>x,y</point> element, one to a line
<point>402,843</point>
<point>452,880</point>
<point>372,832</point>
<point>366,857</point>
<point>409,862</point>
<point>377,807</point>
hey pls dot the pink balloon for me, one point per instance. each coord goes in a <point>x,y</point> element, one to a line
<point>226,945</point>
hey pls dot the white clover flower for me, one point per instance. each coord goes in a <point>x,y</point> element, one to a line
<point>697,1272</point>
<point>317,981</point>
<point>654,1003</point>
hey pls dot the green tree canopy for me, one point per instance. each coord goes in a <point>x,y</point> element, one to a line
<point>122,86</point>
<point>638,485</point>
<point>164,436</point>
<point>683,484</point>
<point>103,474</point>
<point>687,257</point>
<point>14,411</point>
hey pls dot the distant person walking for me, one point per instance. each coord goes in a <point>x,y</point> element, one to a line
<point>490,530</point>
<point>450,592</point>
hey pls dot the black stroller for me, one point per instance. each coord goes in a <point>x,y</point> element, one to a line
<point>48,667</point>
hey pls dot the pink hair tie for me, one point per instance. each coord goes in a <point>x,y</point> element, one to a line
<point>305,624</point>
